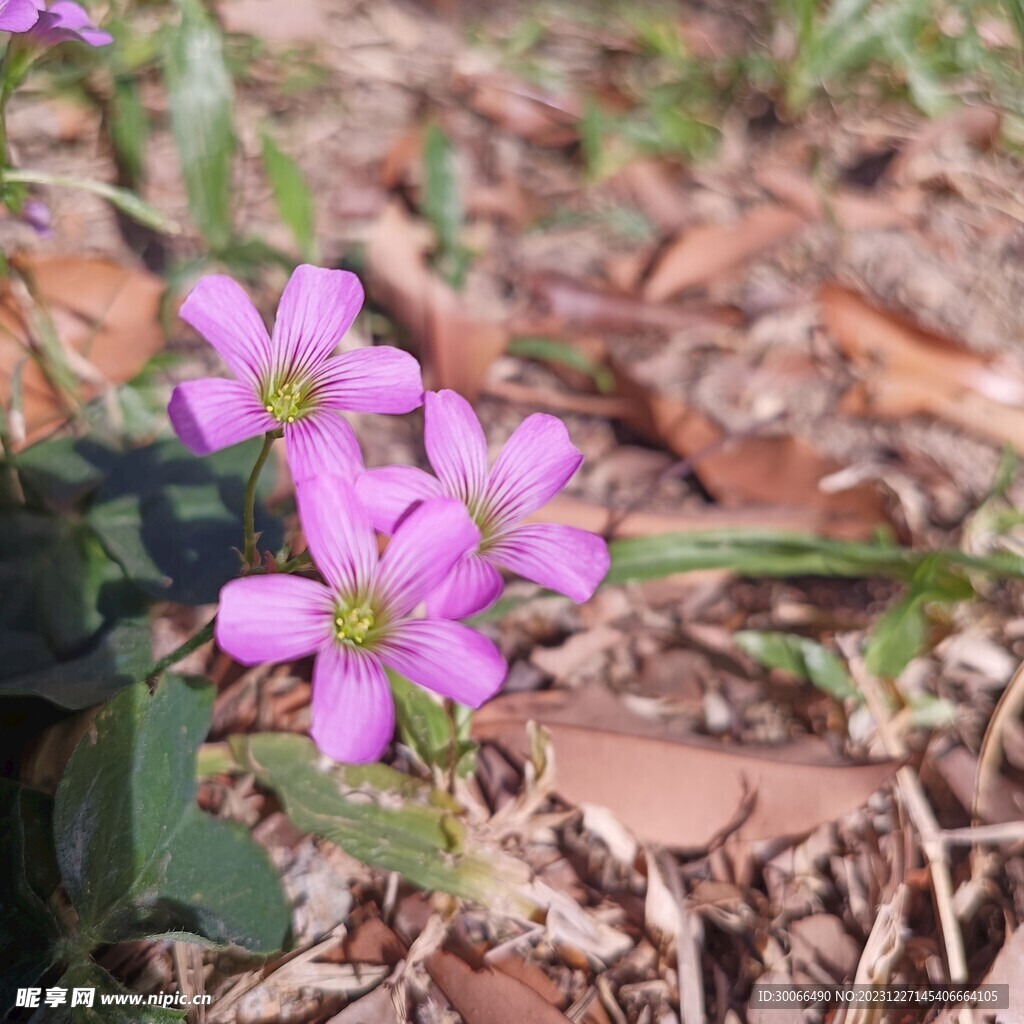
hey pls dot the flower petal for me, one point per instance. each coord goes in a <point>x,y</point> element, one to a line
<point>222,313</point>
<point>427,543</point>
<point>316,309</point>
<point>273,618</point>
<point>473,585</point>
<point>18,15</point>
<point>338,532</point>
<point>563,558</point>
<point>391,492</point>
<point>322,442</point>
<point>215,413</point>
<point>447,657</point>
<point>383,379</point>
<point>534,465</point>
<point>455,444</point>
<point>353,710</point>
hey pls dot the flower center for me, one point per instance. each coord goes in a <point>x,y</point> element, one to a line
<point>286,402</point>
<point>353,623</point>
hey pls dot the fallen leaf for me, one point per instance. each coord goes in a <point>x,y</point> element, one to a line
<point>974,127</point>
<point>601,309</point>
<point>701,254</point>
<point>654,187</point>
<point>914,371</point>
<point>375,1008</point>
<point>563,660</point>
<point>106,317</point>
<point>629,523</point>
<point>459,344</point>
<point>529,974</point>
<point>773,470</point>
<point>1007,969</point>
<point>308,21</point>
<point>682,795</point>
<point>489,996</point>
<point>852,212</point>
<point>524,110</point>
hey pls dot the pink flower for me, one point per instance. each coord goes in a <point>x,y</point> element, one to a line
<point>535,464</point>
<point>358,622</point>
<point>65,21</point>
<point>290,381</point>
<point>17,15</point>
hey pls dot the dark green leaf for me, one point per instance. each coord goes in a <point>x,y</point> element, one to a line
<point>171,521</point>
<point>28,931</point>
<point>57,473</point>
<point>437,738</point>
<point>293,196</point>
<point>120,1007</point>
<point>71,575</point>
<point>137,855</point>
<point>122,656</point>
<point>200,93</point>
<point>800,656</point>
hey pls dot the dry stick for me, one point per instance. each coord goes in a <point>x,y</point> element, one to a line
<point>920,812</point>
<point>990,756</point>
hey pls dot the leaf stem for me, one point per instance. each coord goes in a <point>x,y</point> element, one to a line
<point>249,506</point>
<point>127,202</point>
<point>205,635</point>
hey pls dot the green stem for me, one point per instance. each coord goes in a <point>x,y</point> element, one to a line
<point>127,202</point>
<point>249,506</point>
<point>205,635</point>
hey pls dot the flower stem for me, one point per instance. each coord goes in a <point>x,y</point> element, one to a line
<point>182,651</point>
<point>249,507</point>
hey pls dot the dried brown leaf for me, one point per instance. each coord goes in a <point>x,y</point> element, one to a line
<point>679,794</point>
<point>976,127</point>
<point>459,343</point>
<point>850,211</point>
<point>916,371</point>
<point>524,110</point>
<point>105,315</point>
<point>489,996</point>
<point>702,254</point>
<point>585,306</point>
<point>774,470</point>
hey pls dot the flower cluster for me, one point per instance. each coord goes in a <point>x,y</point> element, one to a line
<point>449,534</point>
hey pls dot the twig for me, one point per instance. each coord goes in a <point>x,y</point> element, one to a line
<point>920,811</point>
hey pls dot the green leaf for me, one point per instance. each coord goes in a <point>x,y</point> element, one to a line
<point>899,636</point>
<point>293,197</point>
<point>57,473</point>
<point>119,1007</point>
<point>71,574</point>
<point>28,930</point>
<point>442,205</point>
<point>774,553</point>
<point>122,656</point>
<point>137,855</point>
<point>200,93</point>
<point>380,816</point>
<point>129,128</point>
<point>125,201</point>
<point>800,656</point>
<point>551,351</point>
<point>426,727</point>
<point>172,521</point>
